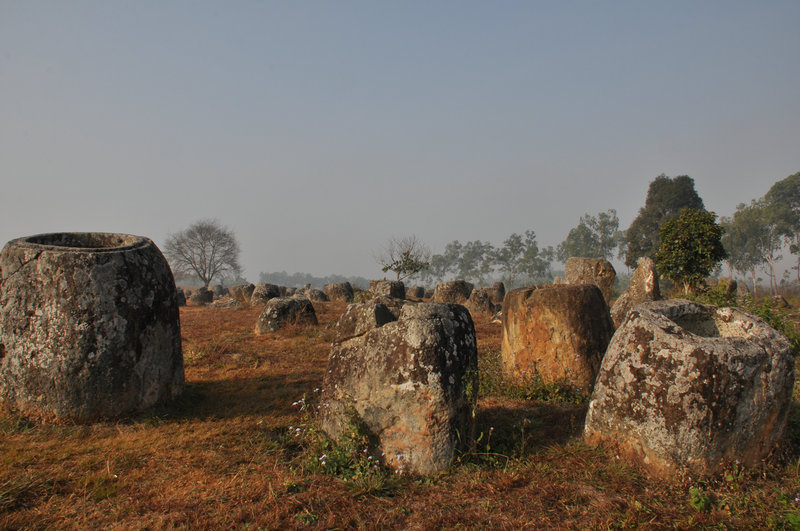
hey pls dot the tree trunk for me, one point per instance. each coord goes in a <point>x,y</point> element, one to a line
<point>772,283</point>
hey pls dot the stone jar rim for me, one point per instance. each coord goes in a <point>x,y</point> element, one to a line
<point>81,242</point>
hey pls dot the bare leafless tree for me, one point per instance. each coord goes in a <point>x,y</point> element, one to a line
<point>206,249</point>
<point>405,256</point>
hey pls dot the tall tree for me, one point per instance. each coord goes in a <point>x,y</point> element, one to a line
<point>784,196</point>
<point>206,249</point>
<point>666,197</point>
<point>521,261</point>
<point>740,241</point>
<point>690,247</point>
<point>755,236</point>
<point>476,261</point>
<point>594,237</point>
<point>442,265</point>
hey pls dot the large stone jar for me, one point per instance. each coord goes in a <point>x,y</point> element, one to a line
<point>557,334</point>
<point>408,371</point>
<point>89,326</point>
<point>685,386</point>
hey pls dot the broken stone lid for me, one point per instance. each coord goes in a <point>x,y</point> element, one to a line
<point>89,326</point>
<point>685,386</point>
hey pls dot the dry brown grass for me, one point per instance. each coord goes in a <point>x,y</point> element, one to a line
<point>221,457</point>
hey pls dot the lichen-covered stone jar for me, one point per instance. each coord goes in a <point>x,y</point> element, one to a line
<point>685,387</point>
<point>89,326</point>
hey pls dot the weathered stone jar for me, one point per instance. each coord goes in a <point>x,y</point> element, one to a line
<point>408,371</point>
<point>89,326</point>
<point>685,386</point>
<point>555,333</point>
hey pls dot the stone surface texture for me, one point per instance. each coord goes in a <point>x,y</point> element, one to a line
<point>220,291</point>
<point>643,288</point>
<point>686,387</point>
<point>339,291</point>
<point>556,333</point>
<point>409,372</point>
<point>89,326</point>
<point>242,292</point>
<point>597,271</point>
<point>283,311</point>
<point>452,292</point>
<point>201,296</point>
<point>313,294</point>
<point>417,292</point>
<point>387,288</point>
<point>263,293</point>
<point>480,301</point>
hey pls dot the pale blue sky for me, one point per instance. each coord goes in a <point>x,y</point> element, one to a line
<point>317,130</point>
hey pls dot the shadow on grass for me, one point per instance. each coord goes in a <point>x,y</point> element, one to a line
<point>517,428</point>
<point>241,397</point>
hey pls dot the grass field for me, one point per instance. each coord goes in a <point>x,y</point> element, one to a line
<point>239,450</point>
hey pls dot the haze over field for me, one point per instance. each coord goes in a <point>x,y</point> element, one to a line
<point>318,130</point>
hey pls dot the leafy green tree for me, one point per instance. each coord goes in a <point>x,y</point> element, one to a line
<point>784,195</point>
<point>594,237</point>
<point>757,234</point>
<point>443,265</point>
<point>666,197</point>
<point>476,261</point>
<point>690,247</point>
<point>405,257</point>
<point>437,271</point>
<point>521,261</point>
<point>742,233</point>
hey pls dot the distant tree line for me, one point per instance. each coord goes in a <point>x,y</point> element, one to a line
<point>673,227</point>
<point>752,239</point>
<point>283,278</point>
<point>518,261</point>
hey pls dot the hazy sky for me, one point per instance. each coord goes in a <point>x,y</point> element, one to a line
<point>317,130</point>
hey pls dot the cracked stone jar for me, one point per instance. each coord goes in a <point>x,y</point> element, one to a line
<point>89,326</point>
<point>686,387</point>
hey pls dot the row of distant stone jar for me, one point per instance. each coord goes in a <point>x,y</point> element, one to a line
<point>486,300</point>
<point>89,329</point>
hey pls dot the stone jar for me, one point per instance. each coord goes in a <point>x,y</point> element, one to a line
<point>689,387</point>
<point>89,326</point>
<point>409,372</point>
<point>557,334</point>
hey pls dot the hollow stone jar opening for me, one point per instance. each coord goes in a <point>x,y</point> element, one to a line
<point>93,241</point>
